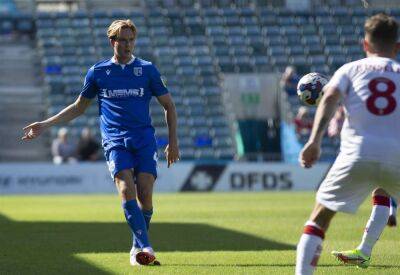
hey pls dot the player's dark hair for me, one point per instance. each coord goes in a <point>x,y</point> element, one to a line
<point>382,31</point>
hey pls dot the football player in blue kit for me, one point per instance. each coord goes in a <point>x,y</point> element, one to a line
<point>124,86</point>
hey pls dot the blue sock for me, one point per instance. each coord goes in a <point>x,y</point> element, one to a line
<point>136,221</point>
<point>147,217</point>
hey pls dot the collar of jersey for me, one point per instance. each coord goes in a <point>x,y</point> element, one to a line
<point>116,62</point>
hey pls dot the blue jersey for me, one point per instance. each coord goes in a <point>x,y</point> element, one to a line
<point>124,93</point>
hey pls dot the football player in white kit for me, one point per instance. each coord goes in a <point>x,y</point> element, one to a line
<point>369,155</point>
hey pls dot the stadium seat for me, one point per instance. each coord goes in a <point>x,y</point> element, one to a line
<point>276,51</point>
<point>275,41</point>
<point>308,29</point>
<point>331,40</point>
<point>316,49</point>
<point>296,50</point>
<point>293,39</point>
<point>271,31</point>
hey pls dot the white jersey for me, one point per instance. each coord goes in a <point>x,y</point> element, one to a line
<point>371,97</point>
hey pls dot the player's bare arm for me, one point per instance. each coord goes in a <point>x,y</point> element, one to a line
<point>325,111</point>
<point>172,149</point>
<point>67,114</point>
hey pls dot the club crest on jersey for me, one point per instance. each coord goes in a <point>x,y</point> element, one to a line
<point>137,71</point>
<point>108,72</point>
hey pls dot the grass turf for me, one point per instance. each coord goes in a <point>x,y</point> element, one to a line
<point>202,233</point>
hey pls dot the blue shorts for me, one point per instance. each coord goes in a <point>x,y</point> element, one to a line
<point>141,160</point>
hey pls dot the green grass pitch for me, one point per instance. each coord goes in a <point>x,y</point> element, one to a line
<point>192,233</point>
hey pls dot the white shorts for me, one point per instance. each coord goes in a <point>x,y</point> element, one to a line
<point>349,182</point>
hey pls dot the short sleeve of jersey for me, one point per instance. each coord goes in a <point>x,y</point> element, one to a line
<point>89,89</point>
<point>340,80</point>
<point>157,85</point>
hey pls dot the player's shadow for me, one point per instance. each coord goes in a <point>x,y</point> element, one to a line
<point>204,237</point>
<point>48,247</point>
<point>338,265</point>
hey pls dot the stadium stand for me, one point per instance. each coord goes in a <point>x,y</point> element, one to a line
<point>163,40</point>
<point>20,89</point>
<point>192,45</point>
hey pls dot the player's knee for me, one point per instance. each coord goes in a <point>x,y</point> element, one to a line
<point>145,197</point>
<point>125,190</point>
<point>125,193</point>
<point>145,194</point>
<point>145,190</point>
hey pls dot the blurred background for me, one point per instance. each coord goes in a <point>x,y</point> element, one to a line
<point>231,66</point>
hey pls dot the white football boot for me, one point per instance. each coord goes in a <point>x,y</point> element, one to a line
<point>147,257</point>
<point>132,256</point>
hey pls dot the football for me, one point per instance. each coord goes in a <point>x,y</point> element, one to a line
<point>309,88</point>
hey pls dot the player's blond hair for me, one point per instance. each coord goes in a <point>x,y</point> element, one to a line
<point>116,26</point>
<point>382,31</point>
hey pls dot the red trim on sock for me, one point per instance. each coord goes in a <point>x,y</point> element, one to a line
<point>312,230</point>
<point>381,200</point>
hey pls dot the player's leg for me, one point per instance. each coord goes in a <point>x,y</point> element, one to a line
<point>133,214</point>
<point>143,254</point>
<point>146,173</point>
<point>121,162</point>
<point>345,187</point>
<point>144,185</point>
<point>377,221</point>
<point>310,245</point>
<point>392,221</point>
<point>368,174</point>
<point>391,179</point>
<point>375,225</point>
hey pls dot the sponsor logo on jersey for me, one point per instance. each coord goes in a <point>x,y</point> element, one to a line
<point>137,71</point>
<point>108,72</point>
<point>122,93</point>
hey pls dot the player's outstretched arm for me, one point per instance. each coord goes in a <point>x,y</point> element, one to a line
<point>69,113</point>
<point>172,149</point>
<point>325,111</point>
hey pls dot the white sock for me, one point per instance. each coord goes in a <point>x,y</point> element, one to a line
<point>376,224</point>
<point>148,249</point>
<point>309,249</point>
